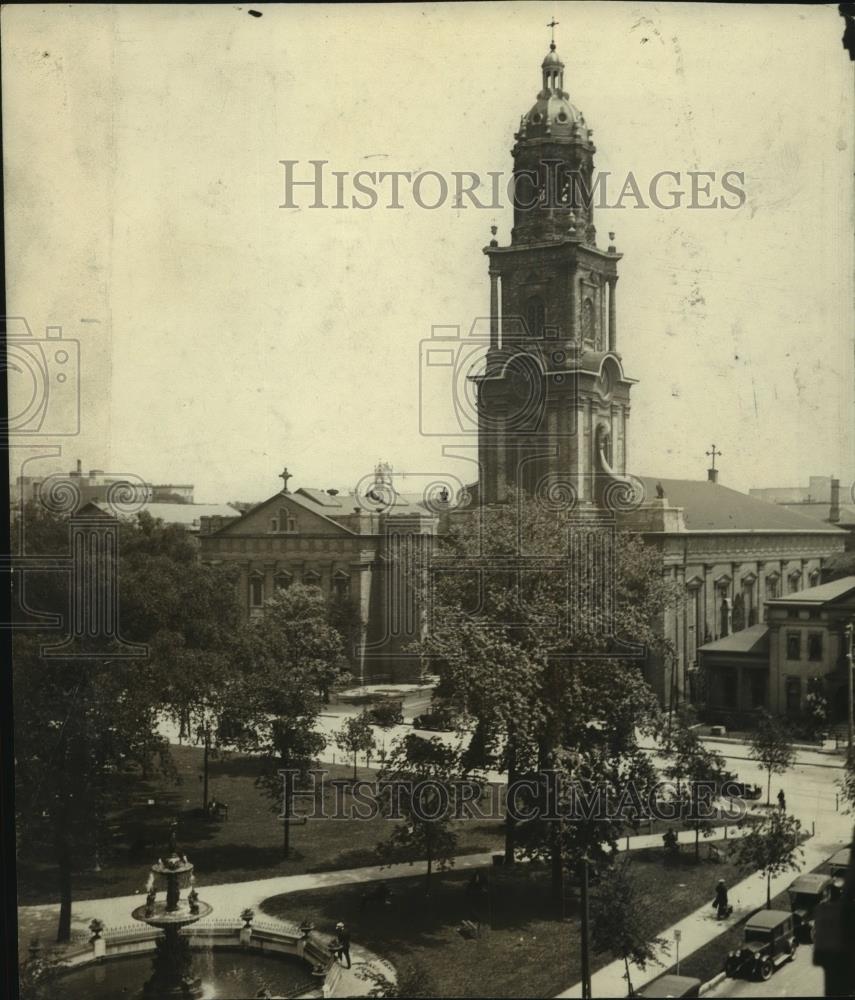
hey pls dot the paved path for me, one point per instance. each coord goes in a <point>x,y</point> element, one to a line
<point>799,978</point>
<point>811,796</point>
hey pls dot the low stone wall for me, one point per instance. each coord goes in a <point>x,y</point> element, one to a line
<point>263,938</point>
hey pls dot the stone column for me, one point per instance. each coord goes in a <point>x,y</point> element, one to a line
<point>501,459</point>
<point>709,604</point>
<point>243,584</point>
<point>494,309</point>
<point>571,307</point>
<point>612,314</point>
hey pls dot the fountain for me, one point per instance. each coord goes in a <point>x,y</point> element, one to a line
<point>155,962</point>
<point>172,977</point>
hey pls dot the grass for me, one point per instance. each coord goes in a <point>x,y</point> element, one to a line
<point>247,846</point>
<point>529,946</point>
<point>708,961</point>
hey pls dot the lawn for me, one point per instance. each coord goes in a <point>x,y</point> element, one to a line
<point>708,961</point>
<point>529,946</point>
<point>248,845</point>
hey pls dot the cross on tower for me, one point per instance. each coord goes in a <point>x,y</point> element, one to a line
<point>713,455</point>
<point>553,24</point>
<point>285,475</point>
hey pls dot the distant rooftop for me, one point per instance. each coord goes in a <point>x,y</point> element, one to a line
<point>753,641</point>
<point>711,507</point>
<point>822,594</point>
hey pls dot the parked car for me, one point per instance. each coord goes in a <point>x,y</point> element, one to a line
<point>838,869</point>
<point>769,941</point>
<point>438,719</point>
<point>806,893</point>
<point>386,714</point>
<point>741,790</point>
<point>671,986</point>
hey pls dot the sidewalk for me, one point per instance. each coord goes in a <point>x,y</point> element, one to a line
<point>702,926</point>
<point>230,899</point>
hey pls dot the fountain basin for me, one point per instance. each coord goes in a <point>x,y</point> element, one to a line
<point>161,916</point>
<point>225,975</point>
<point>228,958</point>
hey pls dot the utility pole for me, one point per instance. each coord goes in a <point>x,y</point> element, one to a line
<point>585,956</point>
<point>847,632</point>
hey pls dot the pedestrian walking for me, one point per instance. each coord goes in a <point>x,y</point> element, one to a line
<point>782,801</point>
<point>343,938</point>
<point>720,903</point>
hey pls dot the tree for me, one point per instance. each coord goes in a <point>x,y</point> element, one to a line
<point>286,661</point>
<point>847,782</point>
<point>191,613</point>
<point>83,725</point>
<point>770,746</point>
<point>702,768</point>
<point>418,779</point>
<point>526,651</point>
<point>618,925</point>
<point>770,847</point>
<point>356,736</point>
<point>814,720</point>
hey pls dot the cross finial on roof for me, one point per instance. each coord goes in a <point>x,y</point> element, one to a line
<point>285,475</point>
<point>553,24</point>
<point>713,455</point>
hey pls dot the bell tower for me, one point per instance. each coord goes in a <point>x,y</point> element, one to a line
<point>553,400</point>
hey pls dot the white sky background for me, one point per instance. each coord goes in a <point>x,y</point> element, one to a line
<point>232,336</point>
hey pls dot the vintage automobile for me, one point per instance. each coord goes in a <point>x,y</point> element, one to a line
<point>438,719</point>
<point>769,941</point>
<point>806,893</point>
<point>671,986</point>
<point>838,869</point>
<point>741,790</point>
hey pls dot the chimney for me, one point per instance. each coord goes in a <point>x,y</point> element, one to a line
<point>712,475</point>
<point>834,508</point>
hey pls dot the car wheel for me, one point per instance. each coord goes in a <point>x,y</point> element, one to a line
<point>766,969</point>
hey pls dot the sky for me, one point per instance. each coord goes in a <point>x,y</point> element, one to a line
<point>214,336</point>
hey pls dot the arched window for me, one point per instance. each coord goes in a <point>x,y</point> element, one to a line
<point>535,316</point>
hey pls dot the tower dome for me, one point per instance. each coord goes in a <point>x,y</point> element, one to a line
<point>552,113</point>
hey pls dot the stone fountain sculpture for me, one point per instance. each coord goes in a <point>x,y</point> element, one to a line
<point>172,968</point>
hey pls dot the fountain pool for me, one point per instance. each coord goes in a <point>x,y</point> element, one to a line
<point>225,975</point>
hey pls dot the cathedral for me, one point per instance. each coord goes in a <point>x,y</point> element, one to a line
<point>553,407</point>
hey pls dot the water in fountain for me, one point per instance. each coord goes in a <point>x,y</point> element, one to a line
<point>170,974</point>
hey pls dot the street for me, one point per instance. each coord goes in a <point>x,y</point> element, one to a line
<point>799,978</point>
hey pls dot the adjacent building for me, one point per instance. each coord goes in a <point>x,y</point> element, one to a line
<point>771,665</point>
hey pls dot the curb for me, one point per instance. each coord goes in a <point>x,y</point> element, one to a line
<point>734,756</point>
<point>803,747</point>
<point>712,983</point>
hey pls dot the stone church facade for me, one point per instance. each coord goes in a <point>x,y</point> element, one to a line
<point>553,406</point>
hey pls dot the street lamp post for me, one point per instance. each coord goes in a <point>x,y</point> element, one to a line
<point>585,956</point>
<point>848,634</point>
<point>677,935</point>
